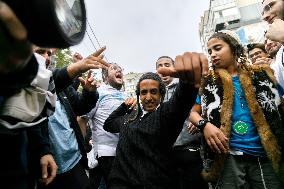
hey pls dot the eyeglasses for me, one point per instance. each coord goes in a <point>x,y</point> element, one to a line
<point>268,7</point>
<point>116,68</point>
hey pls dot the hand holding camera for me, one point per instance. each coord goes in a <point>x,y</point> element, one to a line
<point>48,23</point>
<point>15,49</point>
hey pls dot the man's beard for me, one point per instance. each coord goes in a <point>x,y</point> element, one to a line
<point>273,53</point>
<point>115,85</point>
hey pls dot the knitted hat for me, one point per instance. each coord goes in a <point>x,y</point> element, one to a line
<point>232,34</point>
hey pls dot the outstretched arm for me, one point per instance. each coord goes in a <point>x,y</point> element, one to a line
<point>189,67</point>
<point>64,77</point>
<point>18,66</point>
<point>15,48</point>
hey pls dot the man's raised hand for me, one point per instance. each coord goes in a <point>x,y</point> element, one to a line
<point>189,67</point>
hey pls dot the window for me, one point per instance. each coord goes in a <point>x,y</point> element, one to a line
<point>251,12</point>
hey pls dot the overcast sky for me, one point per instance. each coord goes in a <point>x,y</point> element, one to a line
<point>137,32</point>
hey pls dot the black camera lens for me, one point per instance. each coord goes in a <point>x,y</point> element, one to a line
<point>52,23</point>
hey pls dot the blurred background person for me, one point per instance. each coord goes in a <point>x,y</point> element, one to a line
<point>273,14</point>
<point>257,54</point>
<point>111,96</point>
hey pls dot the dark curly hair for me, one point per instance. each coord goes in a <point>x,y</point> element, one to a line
<point>153,76</point>
<point>252,46</point>
<point>162,88</point>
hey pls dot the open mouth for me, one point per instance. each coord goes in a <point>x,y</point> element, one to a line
<point>118,76</point>
<point>270,21</point>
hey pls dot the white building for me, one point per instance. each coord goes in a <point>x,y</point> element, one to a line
<point>241,16</point>
<point>130,81</point>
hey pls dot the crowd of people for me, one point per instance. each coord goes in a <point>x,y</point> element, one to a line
<point>195,123</point>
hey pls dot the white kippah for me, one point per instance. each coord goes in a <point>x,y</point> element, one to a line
<point>232,34</point>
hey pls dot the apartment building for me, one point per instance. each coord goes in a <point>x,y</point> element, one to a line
<point>130,81</point>
<point>241,16</point>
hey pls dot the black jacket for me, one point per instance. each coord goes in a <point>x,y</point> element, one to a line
<point>25,146</point>
<point>13,82</point>
<point>75,104</point>
<point>14,143</point>
<point>143,151</point>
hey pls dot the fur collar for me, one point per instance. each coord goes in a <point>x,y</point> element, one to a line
<point>248,83</point>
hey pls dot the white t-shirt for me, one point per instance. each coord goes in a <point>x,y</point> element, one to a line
<point>109,99</point>
<point>278,67</point>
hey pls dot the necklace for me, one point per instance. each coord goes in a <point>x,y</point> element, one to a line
<point>239,94</point>
<point>241,127</point>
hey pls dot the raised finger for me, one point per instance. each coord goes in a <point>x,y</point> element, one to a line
<point>101,56</point>
<point>91,79</point>
<point>134,103</point>
<point>127,101</point>
<point>130,100</point>
<point>82,81</point>
<point>167,71</point>
<point>133,100</point>
<point>94,83</point>
<point>96,66</point>
<point>12,23</point>
<point>98,52</point>
<point>89,74</point>
<point>100,61</point>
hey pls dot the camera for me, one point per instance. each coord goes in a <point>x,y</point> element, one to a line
<point>51,23</point>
